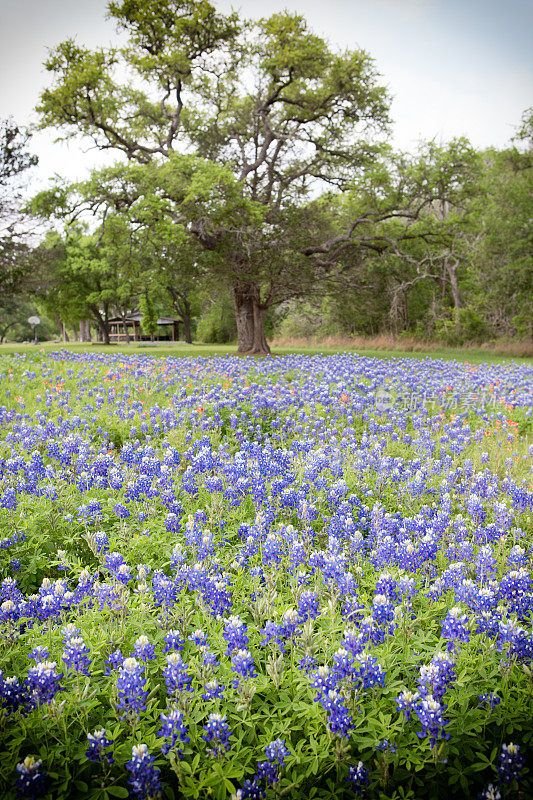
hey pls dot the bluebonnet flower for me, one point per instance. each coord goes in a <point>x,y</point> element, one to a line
<point>43,682</point>
<point>9,541</point>
<point>353,610</point>
<point>109,595</point>
<point>268,772</point>
<point>370,673</point>
<point>173,726</point>
<point>114,660</point>
<point>15,696</point>
<point>382,609</point>
<point>455,627</point>
<point>143,650</point>
<point>209,658</point>
<point>243,664</point>
<point>213,689</point>
<point>406,702</point>
<point>323,680</point>
<point>177,679</point>
<point>217,734</point>
<point>178,557</point>
<point>517,556</point>
<point>489,699</point>
<point>235,634</point>
<point>359,778</point>
<point>475,509</point>
<point>250,790</point>
<point>273,631</point>
<point>276,753</point>
<point>30,782</point>
<point>338,719</point>
<point>516,589</point>
<point>485,563</point>
<point>101,541</point>
<point>510,763</point>
<point>131,685</point>
<point>429,712</point>
<point>199,638</point>
<point>113,561</point>
<point>69,631</point>
<point>123,573</point>
<point>290,623</point>
<point>308,606</point>
<point>40,653</point>
<point>173,641</point>
<point>75,655</point>
<point>435,676</point>
<point>343,664</point>
<point>353,641</point>
<point>121,511</point>
<point>164,590</point>
<point>98,744</point>
<point>9,590</point>
<point>490,792</point>
<point>386,745</point>
<point>307,663</point>
<point>144,779</point>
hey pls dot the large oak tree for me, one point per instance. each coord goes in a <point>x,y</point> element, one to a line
<point>261,111</point>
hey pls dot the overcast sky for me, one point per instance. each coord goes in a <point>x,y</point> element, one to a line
<point>453,67</point>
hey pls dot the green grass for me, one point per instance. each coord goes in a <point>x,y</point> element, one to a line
<point>470,355</point>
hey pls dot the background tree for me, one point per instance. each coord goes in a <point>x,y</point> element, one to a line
<point>77,279</point>
<point>157,253</point>
<point>15,272</point>
<point>501,255</point>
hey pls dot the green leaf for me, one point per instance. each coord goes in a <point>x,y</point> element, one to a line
<point>118,791</point>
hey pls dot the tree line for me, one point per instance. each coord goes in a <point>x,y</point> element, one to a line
<point>255,188</point>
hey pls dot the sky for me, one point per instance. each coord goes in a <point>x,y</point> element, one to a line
<point>452,67</point>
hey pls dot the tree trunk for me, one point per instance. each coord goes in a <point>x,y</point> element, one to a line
<point>101,321</point>
<point>187,331</point>
<point>182,305</point>
<point>4,331</point>
<point>451,269</point>
<point>244,317</point>
<point>62,328</point>
<point>185,312</point>
<point>260,344</point>
<point>84,331</point>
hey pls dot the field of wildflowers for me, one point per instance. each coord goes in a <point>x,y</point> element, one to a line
<point>301,577</point>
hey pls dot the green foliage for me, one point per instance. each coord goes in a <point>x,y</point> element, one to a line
<point>217,323</point>
<point>501,271</point>
<point>467,326</point>
<point>149,314</point>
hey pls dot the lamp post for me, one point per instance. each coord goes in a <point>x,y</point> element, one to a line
<point>34,321</point>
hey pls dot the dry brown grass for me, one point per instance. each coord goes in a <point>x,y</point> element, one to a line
<point>523,349</point>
